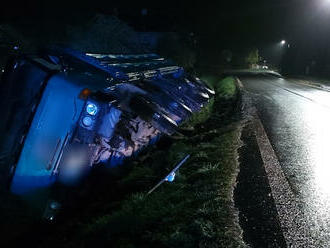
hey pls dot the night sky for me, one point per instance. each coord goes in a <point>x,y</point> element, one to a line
<point>220,24</point>
<point>249,19</point>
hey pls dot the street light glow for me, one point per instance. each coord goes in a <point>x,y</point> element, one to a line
<point>283,41</point>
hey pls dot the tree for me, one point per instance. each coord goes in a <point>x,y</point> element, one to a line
<point>253,57</point>
<point>104,34</point>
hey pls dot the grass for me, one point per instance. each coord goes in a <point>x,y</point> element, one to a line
<point>196,210</point>
<point>225,89</point>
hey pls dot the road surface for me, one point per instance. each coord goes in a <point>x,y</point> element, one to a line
<point>296,119</point>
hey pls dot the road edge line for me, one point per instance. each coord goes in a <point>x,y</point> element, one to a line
<point>294,230</point>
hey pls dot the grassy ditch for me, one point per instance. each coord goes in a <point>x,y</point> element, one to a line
<point>196,210</point>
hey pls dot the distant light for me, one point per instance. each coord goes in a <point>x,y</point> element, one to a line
<point>283,42</point>
<point>91,109</point>
<point>15,47</point>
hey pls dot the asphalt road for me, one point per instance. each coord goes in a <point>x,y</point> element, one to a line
<point>296,119</point>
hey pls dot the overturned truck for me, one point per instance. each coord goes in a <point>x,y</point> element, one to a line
<point>64,112</point>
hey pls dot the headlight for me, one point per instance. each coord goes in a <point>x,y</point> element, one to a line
<point>91,109</point>
<point>87,121</point>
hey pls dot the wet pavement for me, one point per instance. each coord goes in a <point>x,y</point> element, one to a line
<point>253,197</point>
<point>296,119</point>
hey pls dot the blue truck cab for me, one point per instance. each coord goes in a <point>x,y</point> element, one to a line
<point>51,128</point>
<point>64,112</point>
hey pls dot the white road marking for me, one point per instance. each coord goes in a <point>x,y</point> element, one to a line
<point>294,228</point>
